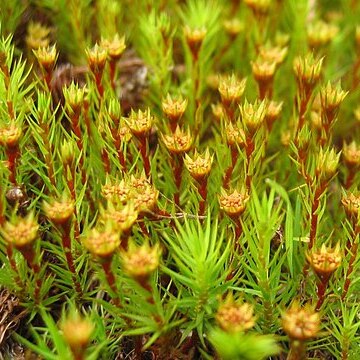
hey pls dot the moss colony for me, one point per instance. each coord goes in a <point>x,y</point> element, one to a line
<point>179,179</point>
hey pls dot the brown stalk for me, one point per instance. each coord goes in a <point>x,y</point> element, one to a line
<point>110,277</point>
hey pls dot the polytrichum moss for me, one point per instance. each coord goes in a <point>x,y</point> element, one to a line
<point>179,179</point>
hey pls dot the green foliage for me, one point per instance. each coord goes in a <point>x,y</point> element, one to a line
<point>154,41</point>
<point>73,20</point>
<point>151,253</point>
<point>243,346</point>
<point>201,256</point>
<point>10,15</point>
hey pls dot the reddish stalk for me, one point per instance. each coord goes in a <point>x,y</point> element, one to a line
<point>250,147</point>
<point>313,225</point>
<point>144,155</point>
<point>79,142</point>
<point>302,161</point>
<point>106,265</point>
<point>173,125</point>
<point>66,243</point>
<point>10,107</point>
<point>10,255</point>
<point>106,161</point>
<point>230,169</point>
<point>120,153</point>
<point>48,159</point>
<point>190,343</point>
<point>355,77</point>
<point>99,85</point>
<point>350,178</point>
<point>224,50</point>
<point>2,216</point>
<point>202,189</point>
<point>50,169</point>
<point>265,89</point>
<point>143,228</point>
<point>302,110</point>
<point>234,6</point>
<point>353,251</point>
<point>314,217</point>
<point>325,137</point>
<point>321,290</point>
<point>78,355</point>
<point>13,154</point>
<point>196,82</point>
<point>144,283</point>
<point>177,165</point>
<point>138,347</point>
<point>71,186</point>
<point>5,69</point>
<point>238,232</point>
<point>47,78</point>
<point>112,71</point>
<point>164,214</point>
<point>87,118</point>
<point>125,239</point>
<point>238,228</point>
<point>297,350</point>
<point>77,130</point>
<point>230,111</point>
<point>29,255</point>
<point>122,160</point>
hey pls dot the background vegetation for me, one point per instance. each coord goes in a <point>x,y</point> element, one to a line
<point>179,179</point>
